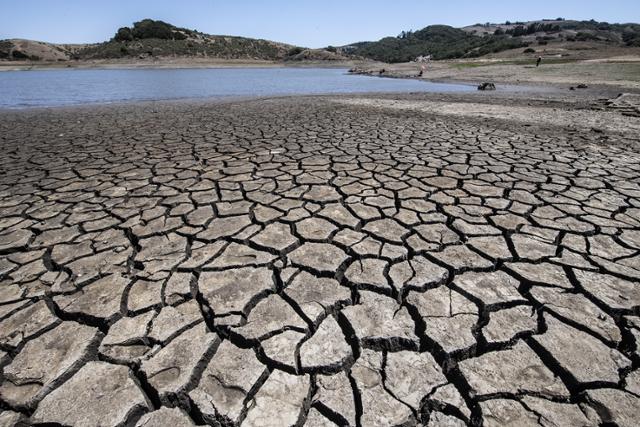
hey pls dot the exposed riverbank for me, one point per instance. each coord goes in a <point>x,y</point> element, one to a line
<point>162,63</point>
<point>621,73</point>
<point>313,260</point>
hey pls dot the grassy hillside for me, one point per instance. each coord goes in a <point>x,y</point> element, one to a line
<point>157,38</point>
<point>440,41</point>
<point>444,42</point>
<point>21,50</point>
<point>149,38</point>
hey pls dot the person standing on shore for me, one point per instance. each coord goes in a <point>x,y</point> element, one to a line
<point>538,61</point>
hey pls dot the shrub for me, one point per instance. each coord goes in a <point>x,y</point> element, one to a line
<point>529,50</point>
<point>177,35</point>
<point>631,38</point>
<point>16,54</point>
<point>583,37</point>
<point>294,51</point>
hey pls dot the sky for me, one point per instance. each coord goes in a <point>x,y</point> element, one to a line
<point>309,23</point>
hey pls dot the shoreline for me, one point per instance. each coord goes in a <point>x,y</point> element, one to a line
<point>604,76</point>
<point>169,64</point>
<point>505,90</point>
<point>583,112</point>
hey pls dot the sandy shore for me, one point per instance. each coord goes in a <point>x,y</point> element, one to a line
<point>416,259</point>
<point>621,73</point>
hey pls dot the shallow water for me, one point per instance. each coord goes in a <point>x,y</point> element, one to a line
<point>50,88</point>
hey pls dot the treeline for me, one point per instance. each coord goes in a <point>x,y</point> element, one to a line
<point>439,41</point>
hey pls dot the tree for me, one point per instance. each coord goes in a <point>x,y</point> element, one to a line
<point>150,29</point>
<point>123,35</point>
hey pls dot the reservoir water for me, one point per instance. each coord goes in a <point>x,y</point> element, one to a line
<point>50,88</point>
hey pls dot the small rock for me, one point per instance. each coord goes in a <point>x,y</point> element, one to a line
<point>486,86</point>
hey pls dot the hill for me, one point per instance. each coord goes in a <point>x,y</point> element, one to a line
<point>157,40</point>
<point>444,42</point>
<point>20,50</point>
<point>149,38</point>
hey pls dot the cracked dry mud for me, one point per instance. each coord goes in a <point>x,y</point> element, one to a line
<point>315,262</point>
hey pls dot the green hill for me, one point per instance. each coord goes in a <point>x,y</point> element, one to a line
<point>444,42</point>
<point>439,41</point>
<point>157,38</point>
<point>149,38</point>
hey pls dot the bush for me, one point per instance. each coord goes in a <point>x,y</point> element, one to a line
<point>16,54</point>
<point>583,37</point>
<point>633,42</point>
<point>543,42</point>
<point>529,50</point>
<point>294,51</point>
<point>631,38</point>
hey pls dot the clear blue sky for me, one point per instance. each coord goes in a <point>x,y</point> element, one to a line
<point>312,23</point>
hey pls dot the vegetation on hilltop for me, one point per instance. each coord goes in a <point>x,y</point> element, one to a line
<point>444,42</point>
<point>439,41</point>
<point>149,38</point>
<point>150,29</point>
<point>157,39</point>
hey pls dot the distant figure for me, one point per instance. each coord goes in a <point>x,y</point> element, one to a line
<point>538,61</point>
<point>422,70</point>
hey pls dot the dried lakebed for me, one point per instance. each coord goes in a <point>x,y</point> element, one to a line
<point>317,261</point>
